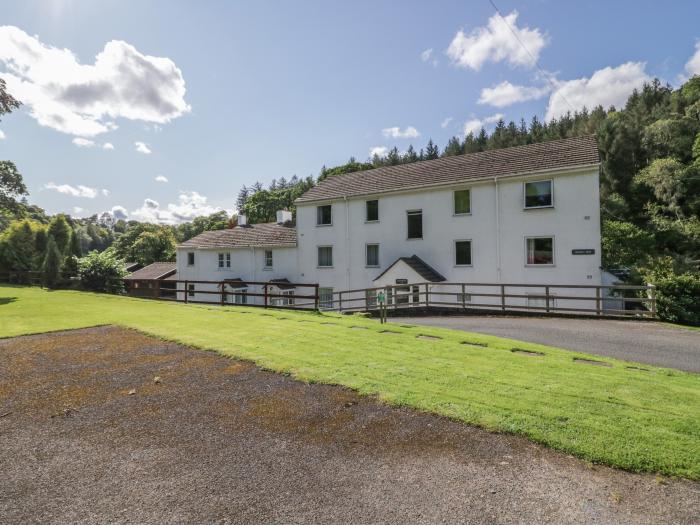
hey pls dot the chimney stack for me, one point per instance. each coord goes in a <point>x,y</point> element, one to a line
<point>242,220</point>
<point>284,216</point>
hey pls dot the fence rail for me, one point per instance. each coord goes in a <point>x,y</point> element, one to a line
<point>594,300</point>
<point>589,300</point>
<point>249,293</point>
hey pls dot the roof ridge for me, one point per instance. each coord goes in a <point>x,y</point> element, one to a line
<point>526,158</point>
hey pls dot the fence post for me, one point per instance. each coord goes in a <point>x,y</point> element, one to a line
<point>265,293</point>
<point>187,291</point>
<point>546,298</point>
<point>651,294</point>
<point>503,297</point>
<point>316,297</point>
<point>340,302</point>
<point>223,293</point>
<point>427,296</point>
<point>464,296</point>
<point>597,300</point>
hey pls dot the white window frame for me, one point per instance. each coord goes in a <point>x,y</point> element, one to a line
<point>551,191</point>
<point>367,265</point>
<point>265,265</point>
<point>554,251</point>
<point>373,221</point>
<point>188,258</point>
<point>240,296</point>
<point>318,253</point>
<point>422,232</point>
<point>454,204</point>
<point>328,293</point>
<point>317,215</point>
<point>471,253</point>
<point>224,260</point>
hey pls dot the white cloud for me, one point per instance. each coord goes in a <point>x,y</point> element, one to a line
<point>83,143</point>
<point>2,135</point>
<point>107,145</point>
<point>607,87</point>
<point>119,213</point>
<point>161,178</point>
<point>692,67</point>
<point>73,191</point>
<point>505,94</point>
<point>474,125</point>
<point>84,99</point>
<point>190,205</point>
<point>104,192</point>
<point>77,210</point>
<point>142,147</point>
<point>426,55</point>
<point>446,122</point>
<point>380,151</point>
<point>396,133</point>
<point>496,43</point>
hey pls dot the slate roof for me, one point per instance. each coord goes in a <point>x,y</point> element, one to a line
<point>519,160</point>
<point>258,235</point>
<point>282,284</point>
<point>419,266</point>
<point>132,266</point>
<point>157,270</point>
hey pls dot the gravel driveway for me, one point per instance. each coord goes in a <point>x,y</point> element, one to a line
<point>106,425</point>
<point>645,342</point>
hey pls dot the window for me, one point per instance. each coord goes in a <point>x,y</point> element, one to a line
<point>325,297</point>
<point>372,208</point>
<point>224,260</point>
<point>540,250</point>
<point>462,202</point>
<point>324,215</point>
<point>190,258</point>
<point>371,298</point>
<point>268,258</point>
<point>463,253</point>
<point>415,224</point>
<point>325,256</point>
<point>190,290</point>
<point>538,194</point>
<point>284,301</point>
<point>372,255</point>
<point>240,296</point>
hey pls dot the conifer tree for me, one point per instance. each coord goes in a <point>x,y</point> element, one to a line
<point>432,151</point>
<point>51,266</point>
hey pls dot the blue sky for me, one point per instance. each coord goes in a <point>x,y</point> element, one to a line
<point>246,91</point>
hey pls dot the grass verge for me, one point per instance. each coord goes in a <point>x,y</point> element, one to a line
<point>642,419</point>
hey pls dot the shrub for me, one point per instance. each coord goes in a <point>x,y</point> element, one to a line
<point>102,272</point>
<point>677,294</point>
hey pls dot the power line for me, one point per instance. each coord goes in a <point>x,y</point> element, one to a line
<point>544,73</point>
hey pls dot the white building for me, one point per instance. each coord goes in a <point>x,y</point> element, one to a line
<point>522,215</point>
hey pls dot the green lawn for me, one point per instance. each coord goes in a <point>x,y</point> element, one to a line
<point>634,419</point>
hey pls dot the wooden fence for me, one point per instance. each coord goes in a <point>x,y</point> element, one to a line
<point>595,300</point>
<point>243,293</point>
<point>637,301</point>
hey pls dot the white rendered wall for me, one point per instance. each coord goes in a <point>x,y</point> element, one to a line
<point>574,222</point>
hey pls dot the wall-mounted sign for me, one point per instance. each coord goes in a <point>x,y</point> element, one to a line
<point>401,281</point>
<point>583,251</point>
